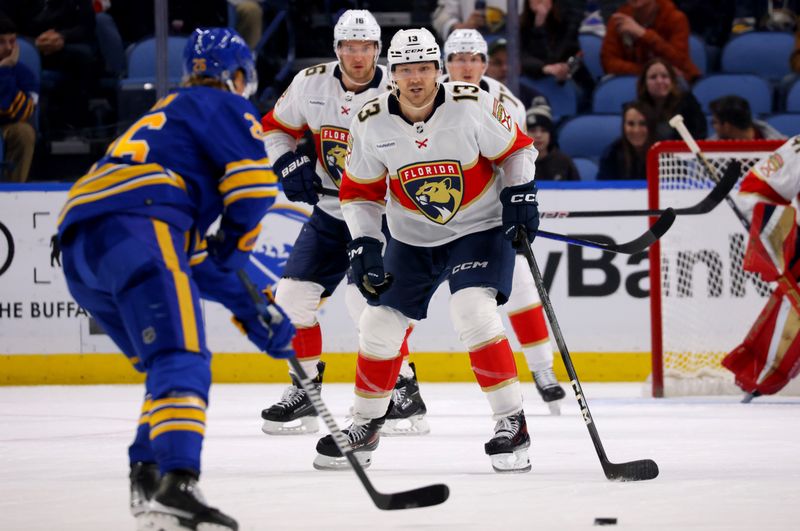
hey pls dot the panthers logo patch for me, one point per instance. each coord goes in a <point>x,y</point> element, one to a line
<point>333,143</point>
<point>436,188</point>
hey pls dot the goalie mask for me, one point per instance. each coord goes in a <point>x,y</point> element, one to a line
<point>218,53</point>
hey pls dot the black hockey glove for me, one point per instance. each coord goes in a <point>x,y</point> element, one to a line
<point>366,263</point>
<point>520,210</point>
<point>230,247</point>
<point>298,177</point>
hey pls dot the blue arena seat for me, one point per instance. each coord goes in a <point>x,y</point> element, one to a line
<point>563,97</point>
<point>764,53</point>
<point>793,97</point>
<point>754,89</point>
<point>590,46</point>
<point>587,168</point>
<point>29,56</point>
<point>698,54</point>
<point>589,135</point>
<point>612,93</point>
<point>786,123</point>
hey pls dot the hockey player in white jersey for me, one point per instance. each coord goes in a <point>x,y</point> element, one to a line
<point>325,98</point>
<point>465,53</point>
<point>432,148</point>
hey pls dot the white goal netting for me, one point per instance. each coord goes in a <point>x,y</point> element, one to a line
<point>702,302</point>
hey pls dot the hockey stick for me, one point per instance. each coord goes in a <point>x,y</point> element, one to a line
<point>631,471</point>
<point>639,244</point>
<point>409,499</point>
<point>707,204</point>
<point>677,123</point>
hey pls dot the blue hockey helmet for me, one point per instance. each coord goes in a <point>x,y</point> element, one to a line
<point>218,53</point>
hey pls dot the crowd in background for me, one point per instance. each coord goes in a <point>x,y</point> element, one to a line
<point>62,106</point>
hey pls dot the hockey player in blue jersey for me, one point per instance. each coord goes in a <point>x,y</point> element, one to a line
<point>132,234</point>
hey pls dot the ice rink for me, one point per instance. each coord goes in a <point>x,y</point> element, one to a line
<point>724,465</point>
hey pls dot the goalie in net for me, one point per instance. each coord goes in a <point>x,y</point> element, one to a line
<point>769,356</point>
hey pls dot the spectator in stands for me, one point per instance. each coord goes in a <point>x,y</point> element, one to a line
<point>732,120</point>
<point>626,157</point>
<point>19,91</point>
<point>249,20</point>
<point>135,19</point>
<point>552,164</point>
<point>643,29</point>
<point>488,17</point>
<point>709,19</point>
<point>770,15</point>
<point>64,33</point>
<point>498,69</point>
<point>658,86</point>
<point>549,42</point>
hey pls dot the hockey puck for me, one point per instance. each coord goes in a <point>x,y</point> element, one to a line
<point>605,521</point>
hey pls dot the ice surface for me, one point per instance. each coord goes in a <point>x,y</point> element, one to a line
<point>724,465</point>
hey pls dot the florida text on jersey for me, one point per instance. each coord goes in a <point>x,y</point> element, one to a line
<point>318,100</point>
<point>442,183</point>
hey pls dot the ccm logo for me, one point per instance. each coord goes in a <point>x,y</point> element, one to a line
<point>470,265</point>
<point>523,198</point>
<point>294,165</point>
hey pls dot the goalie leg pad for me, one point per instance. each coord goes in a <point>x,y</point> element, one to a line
<point>769,357</point>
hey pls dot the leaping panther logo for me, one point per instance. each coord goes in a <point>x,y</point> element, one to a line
<point>436,189</point>
<point>333,149</point>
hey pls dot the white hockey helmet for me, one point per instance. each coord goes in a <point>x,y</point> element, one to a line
<point>465,41</point>
<point>356,25</point>
<point>414,46</point>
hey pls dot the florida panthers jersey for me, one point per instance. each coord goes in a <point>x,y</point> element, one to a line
<point>512,104</point>
<point>317,100</point>
<point>775,179</point>
<point>439,173</point>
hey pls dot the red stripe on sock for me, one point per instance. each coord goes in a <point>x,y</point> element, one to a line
<point>307,343</point>
<point>376,377</point>
<point>404,347</point>
<point>529,325</point>
<point>493,364</point>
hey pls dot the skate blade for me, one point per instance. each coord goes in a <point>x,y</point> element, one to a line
<point>413,425</point>
<point>555,407</point>
<point>299,426</point>
<point>512,463</point>
<point>325,462</point>
<point>155,521</point>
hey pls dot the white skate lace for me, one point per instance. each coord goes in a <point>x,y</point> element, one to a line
<point>356,432</point>
<point>398,395</point>
<point>291,397</point>
<point>545,378</point>
<point>507,427</point>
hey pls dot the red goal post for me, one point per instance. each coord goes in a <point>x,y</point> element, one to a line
<point>701,301</point>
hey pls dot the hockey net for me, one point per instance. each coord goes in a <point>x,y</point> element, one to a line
<point>702,301</point>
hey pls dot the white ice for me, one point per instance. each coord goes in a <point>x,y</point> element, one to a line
<point>724,465</point>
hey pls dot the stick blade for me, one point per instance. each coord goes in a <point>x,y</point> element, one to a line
<point>720,191</point>
<point>411,499</point>
<point>659,228</point>
<point>640,470</point>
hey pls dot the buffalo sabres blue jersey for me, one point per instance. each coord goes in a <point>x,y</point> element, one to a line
<point>198,153</point>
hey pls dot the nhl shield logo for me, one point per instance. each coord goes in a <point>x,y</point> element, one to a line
<point>435,188</point>
<point>333,148</point>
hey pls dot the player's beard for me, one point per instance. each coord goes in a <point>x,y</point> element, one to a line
<point>424,104</point>
<point>364,80</point>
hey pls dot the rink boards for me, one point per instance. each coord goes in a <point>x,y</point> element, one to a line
<point>601,300</point>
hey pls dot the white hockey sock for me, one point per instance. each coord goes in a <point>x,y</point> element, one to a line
<point>405,369</point>
<point>505,401</point>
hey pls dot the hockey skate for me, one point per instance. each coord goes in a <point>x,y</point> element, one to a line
<point>178,505</point>
<point>144,483</point>
<point>293,414</point>
<point>363,436</point>
<point>406,417</point>
<point>508,449</point>
<point>548,388</point>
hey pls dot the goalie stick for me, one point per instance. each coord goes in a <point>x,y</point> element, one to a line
<point>409,499</point>
<point>707,204</point>
<point>640,470</point>
<point>663,223</point>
